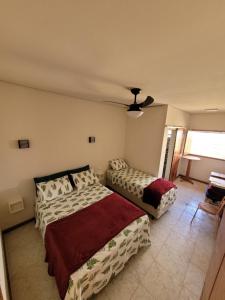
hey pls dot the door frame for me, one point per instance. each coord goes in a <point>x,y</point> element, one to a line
<point>184,136</point>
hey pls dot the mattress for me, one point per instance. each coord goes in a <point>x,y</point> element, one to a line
<point>92,276</point>
<point>131,182</point>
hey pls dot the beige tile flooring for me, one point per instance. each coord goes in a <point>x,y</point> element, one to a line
<point>173,267</point>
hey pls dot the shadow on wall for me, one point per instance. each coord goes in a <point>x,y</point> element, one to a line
<point>25,191</point>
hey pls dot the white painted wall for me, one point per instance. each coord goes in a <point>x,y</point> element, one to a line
<point>201,169</point>
<point>176,117</point>
<point>144,139</point>
<point>58,128</point>
<point>208,121</point>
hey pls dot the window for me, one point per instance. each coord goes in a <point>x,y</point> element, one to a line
<point>205,143</point>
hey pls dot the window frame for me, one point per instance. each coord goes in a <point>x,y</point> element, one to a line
<point>204,156</point>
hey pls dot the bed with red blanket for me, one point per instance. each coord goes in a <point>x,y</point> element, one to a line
<point>154,195</point>
<point>89,236</point>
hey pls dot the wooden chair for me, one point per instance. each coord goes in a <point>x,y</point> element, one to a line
<point>211,209</point>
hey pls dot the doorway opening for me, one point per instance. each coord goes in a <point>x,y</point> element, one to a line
<point>174,150</point>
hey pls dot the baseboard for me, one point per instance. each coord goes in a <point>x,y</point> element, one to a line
<point>17,225</point>
<point>195,179</point>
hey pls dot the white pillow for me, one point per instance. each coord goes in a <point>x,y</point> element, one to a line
<point>84,179</point>
<point>54,188</point>
<point>118,164</point>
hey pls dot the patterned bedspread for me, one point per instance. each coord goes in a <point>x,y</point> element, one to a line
<point>110,260</point>
<point>134,181</point>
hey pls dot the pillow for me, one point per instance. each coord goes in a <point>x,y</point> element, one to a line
<point>54,188</point>
<point>84,179</point>
<point>61,174</point>
<point>77,170</point>
<point>118,164</point>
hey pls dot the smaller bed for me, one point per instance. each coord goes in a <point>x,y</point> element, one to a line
<point>131,183</point>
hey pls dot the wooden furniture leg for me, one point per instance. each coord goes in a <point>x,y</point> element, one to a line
<point>194,214</point>
<point>186,177</point>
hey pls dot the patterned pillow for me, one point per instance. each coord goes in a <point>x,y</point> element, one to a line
<point>118,164</point>
<point>84,179</point>
<point>54,188</point>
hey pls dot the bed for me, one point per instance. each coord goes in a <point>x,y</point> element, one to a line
<point>131,183</point>
<point>108,261</point>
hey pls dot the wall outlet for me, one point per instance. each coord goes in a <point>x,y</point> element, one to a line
<point>16,206</point>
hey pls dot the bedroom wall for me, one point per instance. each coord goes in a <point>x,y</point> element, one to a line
<point>208,121</point>
<point>201,169</point>
<point>176,117</point>
<point>144,139</point>
<point>58,128</point>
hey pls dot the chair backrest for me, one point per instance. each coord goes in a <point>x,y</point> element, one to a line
<point>221,206</point>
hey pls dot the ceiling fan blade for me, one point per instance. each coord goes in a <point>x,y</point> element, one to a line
<point>149,100</point>
<point>117,103</point>
<point>155,105</point>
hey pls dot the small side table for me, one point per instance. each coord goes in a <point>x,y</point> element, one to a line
<point>190,158</point>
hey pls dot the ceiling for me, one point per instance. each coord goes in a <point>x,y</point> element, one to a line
<point>95,50</point>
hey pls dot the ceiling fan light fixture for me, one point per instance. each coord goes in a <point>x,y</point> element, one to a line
<point>134,113</point>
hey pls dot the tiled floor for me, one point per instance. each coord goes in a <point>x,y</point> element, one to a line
<point>173,267</point>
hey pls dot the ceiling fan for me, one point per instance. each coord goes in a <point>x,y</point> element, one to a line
<point>135,109</point>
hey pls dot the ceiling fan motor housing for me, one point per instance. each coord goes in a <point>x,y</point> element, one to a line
<point>135,91</point>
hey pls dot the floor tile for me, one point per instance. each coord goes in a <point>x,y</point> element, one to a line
<point>161,284</point>
<point>185,294</point>
<point>172,263</point>
<point>141,294</point>
<point>122,287</point>
<point>201,256</point>
<point>180,246</point>
<point>194,279</point>
<point>141,263</point>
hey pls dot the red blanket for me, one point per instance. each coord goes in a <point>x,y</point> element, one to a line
<point>154,191</point>
<point>71,241</point>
